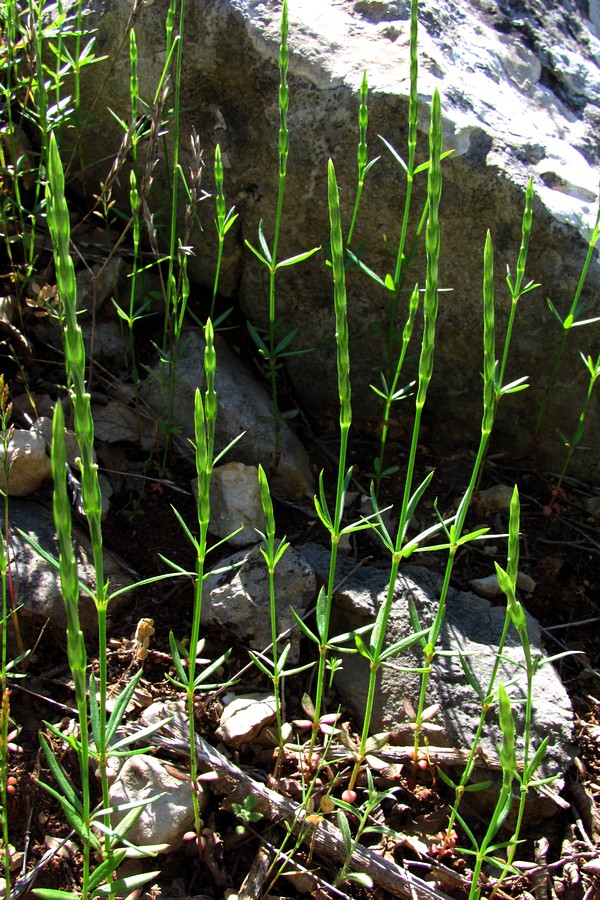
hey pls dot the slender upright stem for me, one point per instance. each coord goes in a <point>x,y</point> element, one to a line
<point>284,143</point>
<point>344,394</point>
<point>205,415</point>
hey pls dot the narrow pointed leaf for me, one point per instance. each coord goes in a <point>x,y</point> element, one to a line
<point>394,153</point>
<point>69,794</point>
<point>345,831</point>
<point>258,255</point>
<point>304,627</point>
<point>127,885</point>
<point>260,664</point>
<point>308,707</point>
<point>362,647</point>
<point>140,735</point>
<point>537,759</point>
<point>263,242</point>
<point>177,662</point>
<point>121,704</point>
<point>469,675</point>
<point>321,613</point>
<point>300,257</point>
<point>367,270</point>
<point>404,644</point>
<point>51,894</point>
<point>349,635</point>
<point>102,872</point>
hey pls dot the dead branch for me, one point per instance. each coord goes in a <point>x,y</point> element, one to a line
<point>326,840</point>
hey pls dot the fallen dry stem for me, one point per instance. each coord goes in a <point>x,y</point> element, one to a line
<point>326,841</point>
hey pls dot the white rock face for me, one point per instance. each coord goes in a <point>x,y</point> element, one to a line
<point>29,463</point>
<point>487,77</point>
<point>594,20</point>
<point>520,87</point>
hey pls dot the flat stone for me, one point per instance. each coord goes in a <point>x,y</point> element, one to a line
<point>495,499</point>
<point>166,819</point>
<point>489,586</point>
<point>244,717</point>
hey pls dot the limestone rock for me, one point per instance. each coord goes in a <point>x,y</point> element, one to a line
<point>107,343</point>
<point>97,283</point>
<point>592,505</point>
<point>244,717</point>
<point>239,599</point>
<point>243,406</point>
<point>29,463</point>
<point>166,819</point>
<point>472,626</point>
<point>520,87</point>
<point>117,421</point>
<point>489,586</point>
<point>234,502</point>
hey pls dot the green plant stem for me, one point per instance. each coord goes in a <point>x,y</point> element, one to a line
<point>272,350</point>
<point>431,301</point>
<point>507,581</point>
<point>567,324</point>
<point>174,45</point>
<point>574,442</point>
<point>4,692</point>
<point>4,729</point>
<point>376,656</point>
<point>425,373</point>
<point>272,552</point>
<point>413,121</point>
<point>344,393</point>
<point>517,289</point>
<point>284,143</point>
<point>503,804</point>
<point>205,416</point>
<point>134,202</point>
<point>363,122</point>
<point>456,529</point>
<point>392,394</point>
<point>58,222</point>
<point>224,220</point>
<point>487,695</point>
<point>75,642</point>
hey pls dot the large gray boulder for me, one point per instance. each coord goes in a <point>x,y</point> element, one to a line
<point>520,89</point>
<point>472,626</point>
